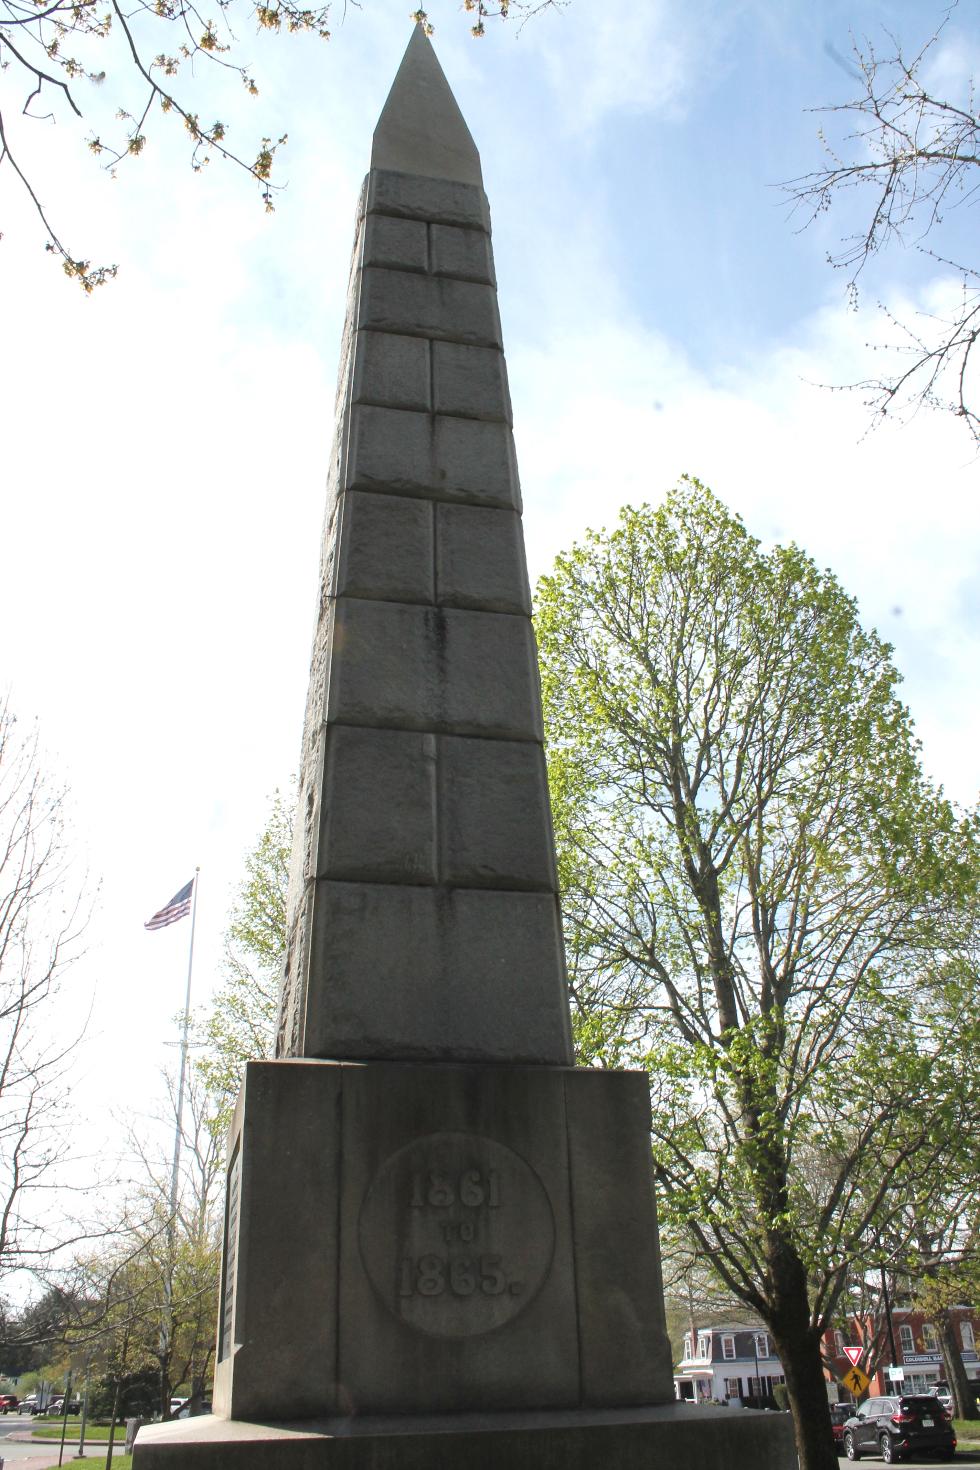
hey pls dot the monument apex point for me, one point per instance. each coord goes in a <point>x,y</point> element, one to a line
<point>421,129</point>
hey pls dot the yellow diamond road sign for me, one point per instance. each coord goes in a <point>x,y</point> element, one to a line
<point>855,1380</point>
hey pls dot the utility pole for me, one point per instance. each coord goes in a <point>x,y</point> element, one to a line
<point>888,1316</point>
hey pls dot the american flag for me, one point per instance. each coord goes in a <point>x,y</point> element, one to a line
<point>178,907</point>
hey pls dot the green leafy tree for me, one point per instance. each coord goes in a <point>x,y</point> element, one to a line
<point>241,1024</point>
<point>904,151</point>
<point>755,878</point>
<point>935,1230</point>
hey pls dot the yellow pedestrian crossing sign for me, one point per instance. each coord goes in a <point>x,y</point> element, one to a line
<point>855,1380</point>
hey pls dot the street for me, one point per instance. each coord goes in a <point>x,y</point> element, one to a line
<point>44,1453</point>
<point>963,1457</point>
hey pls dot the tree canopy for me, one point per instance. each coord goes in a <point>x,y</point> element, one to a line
<point>241,1024</point>
<point>905,151</point>
<point>154,58</point>
<point>43,912</point>
<point>759,884</point>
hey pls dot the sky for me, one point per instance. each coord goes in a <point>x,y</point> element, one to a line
<point>164,441</point>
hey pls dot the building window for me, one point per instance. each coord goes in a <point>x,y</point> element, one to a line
<point>930,1340</point>
<point>728,1347</point>
<point>688,1351</point>
<point>704,1347</point>
<point>906,1339</point>
<point>733,1389</point>
<point>966,1336</point>
<point>838,1342</point>
<point>762,1345</point>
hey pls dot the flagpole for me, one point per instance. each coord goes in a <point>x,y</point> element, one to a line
<point>184,1048</point>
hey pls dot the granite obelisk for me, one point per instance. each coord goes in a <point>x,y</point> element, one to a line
<point>440,1236</point>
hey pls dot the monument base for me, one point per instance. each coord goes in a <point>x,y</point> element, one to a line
<point>431,1239</point>
<point>660,1437</point>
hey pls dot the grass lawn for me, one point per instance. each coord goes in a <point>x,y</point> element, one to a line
<point>51,1429</point>
<point>967,1429</point>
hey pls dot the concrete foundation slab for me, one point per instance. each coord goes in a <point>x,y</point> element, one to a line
<point>662,1438</point>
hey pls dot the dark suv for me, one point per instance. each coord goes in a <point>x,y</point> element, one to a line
<point>894,1427</point>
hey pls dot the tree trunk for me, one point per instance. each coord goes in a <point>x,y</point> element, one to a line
<point>798,1346</point>
<point>799,1354</point>
<point>197,1392</point>
<point>165,1387</point>
<point>116,1400</point>
<point>964,1401</point>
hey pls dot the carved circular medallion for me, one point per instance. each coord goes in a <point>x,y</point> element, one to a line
<point>456,1234</point>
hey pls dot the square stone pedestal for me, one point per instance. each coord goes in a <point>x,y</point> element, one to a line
<point>424,1239</point>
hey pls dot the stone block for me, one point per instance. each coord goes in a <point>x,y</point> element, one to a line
<point>386,548</point>
<point>440,669</point>
<point>480,559</point>
<point>429,306</point>
<point>624,1345</point>
<point>396,244</point>
<point>494,815</point>
<point>378,807</point>
<point>478,461</point>
<point>509,945</point>
<point>281,1263</point>
<point>391,370</point>
<point>465,254</point>
<point>469,381</point>
<point>412,196</point>
<point>457,1285</point>
<point>427,974</point>
<point>492,676</point>
<point>662,1437</point>
<point>415,454</point>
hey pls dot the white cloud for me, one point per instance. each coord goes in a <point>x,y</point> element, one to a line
<point>611,414</point>
<point>645,58</point>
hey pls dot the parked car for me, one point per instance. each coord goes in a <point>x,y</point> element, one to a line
<point>8,1402</point>
<point>56,1407</point>
<point>839,1415</point>
<point>893,1427</point>
<point>186,1411</point>
<point>29,1405</point>
<point>944,1394</point>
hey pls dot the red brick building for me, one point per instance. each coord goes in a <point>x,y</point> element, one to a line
<point>916,1350</point>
